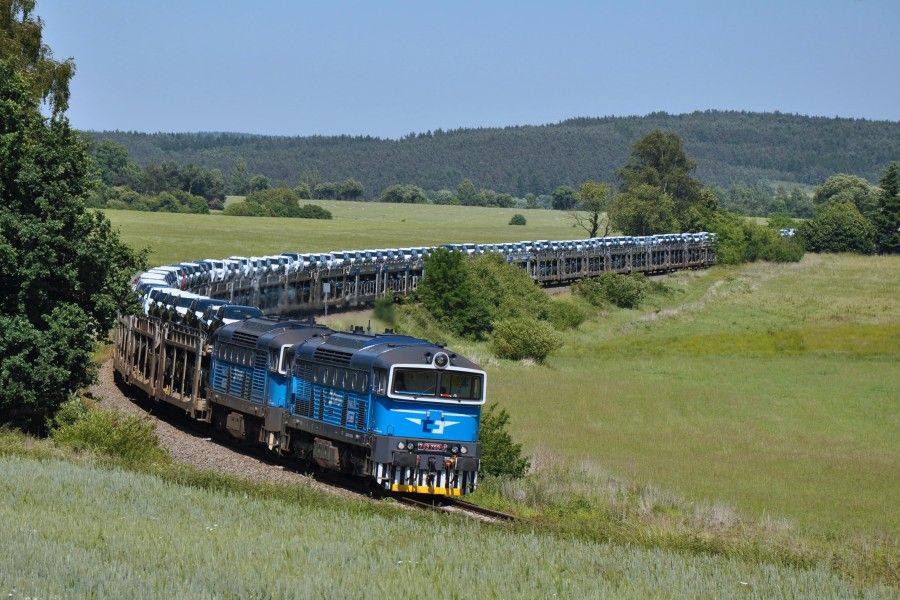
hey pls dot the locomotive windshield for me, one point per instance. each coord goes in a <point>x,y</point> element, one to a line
<point>437,384</point>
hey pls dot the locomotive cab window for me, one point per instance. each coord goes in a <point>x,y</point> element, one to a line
<point>460,386</point>
<point>425,383</point>
<point>415,382</point>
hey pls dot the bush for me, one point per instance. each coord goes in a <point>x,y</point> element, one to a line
<point>782,249</point>
<point>385,310</point>
<point>508,290</point>
<point>499,454</point>
<point>565,314</point>
<point>313,211</point>
<point>403,194</point>
<point>518,219</point>
<point>739,240</point>
<point>125,438</point>
<point>838,227</point>
<point>447,291</point>
<point>624,291</point>
<point>275,202</point>
<point>524,337</point>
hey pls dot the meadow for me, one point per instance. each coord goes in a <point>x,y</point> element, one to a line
<point>770,388</point>
<point>115,538</point>
<point>774,389</point>
<point>356,225</point>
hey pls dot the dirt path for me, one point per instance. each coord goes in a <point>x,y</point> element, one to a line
<point>190,447</point>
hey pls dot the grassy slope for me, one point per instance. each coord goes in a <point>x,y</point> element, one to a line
<point>772,388</point>
<point>76,530</point>
<point>356,225</point>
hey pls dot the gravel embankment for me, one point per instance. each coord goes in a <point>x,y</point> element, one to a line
<point>191,447</point>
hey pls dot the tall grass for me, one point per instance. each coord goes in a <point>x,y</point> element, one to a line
<point>586,502</point>
<point>81,531</point>
<point>771,388</point>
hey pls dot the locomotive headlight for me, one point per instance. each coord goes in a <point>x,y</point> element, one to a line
<point>464,450</point>
<point>441,360</point>
<point>401,446</point>
<point>454,449</point>
<point>410,445</point>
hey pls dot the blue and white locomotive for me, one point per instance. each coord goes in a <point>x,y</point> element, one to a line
<point>398,410</point>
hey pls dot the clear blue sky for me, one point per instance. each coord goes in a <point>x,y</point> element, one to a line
<point>388,68</point>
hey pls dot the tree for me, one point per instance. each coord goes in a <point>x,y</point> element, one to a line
<point>500,455</point>
<point>64,271</point>
<point>466,192</point>
<point>311,179</point>
<point>447,292</point>
<point>658,159</point>
<point>564,198</point>
<point>239,179</point>
<point>116,169</point>
<point>350,189</point>
<point>590,212</point>
<point>22,46</point>
<point>403,194</point>
<point>162,177</point>
<point>643,210</point>
<point>838,227</point>
<point>326,190</point>
<point>842,187</point>
<point>887,217</point>
<point>259,183</point>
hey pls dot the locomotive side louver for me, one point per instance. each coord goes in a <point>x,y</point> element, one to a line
<point>334,357</point>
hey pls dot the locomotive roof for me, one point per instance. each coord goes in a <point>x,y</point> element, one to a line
<point>320,344</point>
<point>268,332</point>
<point>364,351</point>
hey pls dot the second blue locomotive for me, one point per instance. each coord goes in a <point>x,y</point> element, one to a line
<point>398,410</point>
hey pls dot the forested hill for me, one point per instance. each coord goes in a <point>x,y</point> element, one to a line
<point>730,147</point>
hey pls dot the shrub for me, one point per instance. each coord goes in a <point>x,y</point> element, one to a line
<point>782,249</point>
<point>740,240</point>
<point>524,337</point>
<point>403,194</point>
<point>781,221</point>
<point>565,314</point>
<point>518,219</point>
<point>313,211</point>
<point>125,438</point>
<point>447,291</point>
<point>499,454</point>
<point>244,209</point>
<point>838,227</point>
<point>624,291</point>
<point>385,310</point>
<point>275,202</point>
<point>508,290</point>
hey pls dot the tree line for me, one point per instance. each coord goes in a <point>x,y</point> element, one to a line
<point>657,193</point>
<point>731,148</point>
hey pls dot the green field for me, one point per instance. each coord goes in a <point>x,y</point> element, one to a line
<point>75,529</point>
<point>770,388</point>
<point>356,225</point>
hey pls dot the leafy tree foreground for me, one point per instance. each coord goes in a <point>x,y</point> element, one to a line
<point>64,272</point>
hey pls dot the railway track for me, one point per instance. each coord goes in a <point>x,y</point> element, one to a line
<point>455,506</point>
<point>341,484</point>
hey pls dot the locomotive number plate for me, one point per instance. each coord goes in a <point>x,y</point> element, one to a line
<point>431,446</point>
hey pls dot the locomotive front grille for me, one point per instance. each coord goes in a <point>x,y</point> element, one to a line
<point>414,480</point>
